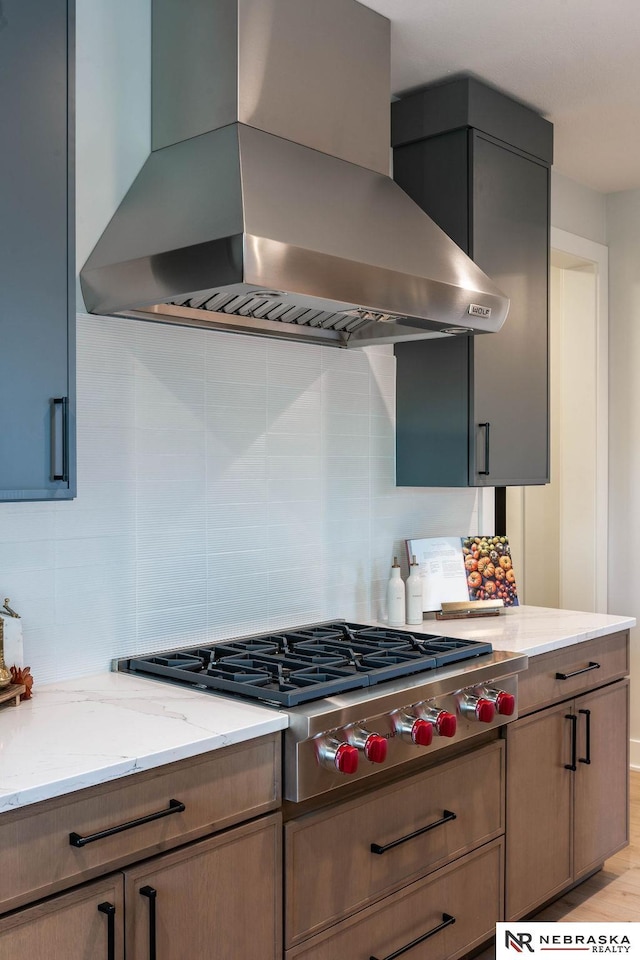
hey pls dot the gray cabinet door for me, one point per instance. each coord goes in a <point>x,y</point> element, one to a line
<point>509,241</point>
<point>474,412</point>
<point>37,312</point>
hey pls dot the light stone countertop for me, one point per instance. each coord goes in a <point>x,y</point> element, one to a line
<point>530,630</point>
<point>82,732</point>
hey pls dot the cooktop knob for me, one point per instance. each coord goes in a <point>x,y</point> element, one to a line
<point>476,708</point>
<point>375,748</point>
<point>505,703</point>
<point>336,755</point>
<point>346,759</point>
<point>414,729</point>
<point>372,745</point>
<point>443,722</point>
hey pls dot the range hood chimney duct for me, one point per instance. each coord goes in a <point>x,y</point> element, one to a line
<point>265,206</point>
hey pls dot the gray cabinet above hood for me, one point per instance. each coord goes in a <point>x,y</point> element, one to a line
<point>265,206</point>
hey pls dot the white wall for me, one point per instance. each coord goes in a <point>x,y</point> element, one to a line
<point>225,483</point>
<point>578,209</point>
<point>623,224</point>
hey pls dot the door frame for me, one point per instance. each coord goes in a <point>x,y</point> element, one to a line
<point>598,254</point>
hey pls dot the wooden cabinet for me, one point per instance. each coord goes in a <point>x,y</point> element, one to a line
<point>442,917</point>
<point>473,411</point>
<point>215,790</point>
<point>219,896</point>
<point>367,876</point>
<point>37,260</point>
<point>81,925</point>
<point>567,794</point>
<point>423,822</point>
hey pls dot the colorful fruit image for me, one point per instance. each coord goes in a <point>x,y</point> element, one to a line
<point>489,569</point>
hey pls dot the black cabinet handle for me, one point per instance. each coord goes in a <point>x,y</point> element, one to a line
<point>487,428</point>
<point>574,730</point>
<point>576,673</point>
<point>175,806</point>
<point>587,716</point>
<point>151,893</point>
<point>110,911</point>
<point>61,403</point>
<point>447,920</point>
<point>447,815</point>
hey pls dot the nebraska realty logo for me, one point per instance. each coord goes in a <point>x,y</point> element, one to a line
<point>568,938</point>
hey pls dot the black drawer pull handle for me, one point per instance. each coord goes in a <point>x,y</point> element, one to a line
<point>487,447</point>
<point>151,893</point>
<point>110,911</point>
<point>175,806</point>
<point>63,404</point>
<point>587,715</point>
<point>447,920</point>
<point>576,673</point>
<point>574,729</point>
<point>447,815</point>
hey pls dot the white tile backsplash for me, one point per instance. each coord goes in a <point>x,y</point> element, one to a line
<point>227,484</point>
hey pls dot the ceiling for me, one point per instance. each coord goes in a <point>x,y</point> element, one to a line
<point>577,62</point>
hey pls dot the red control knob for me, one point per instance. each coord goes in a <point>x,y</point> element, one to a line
<point>413,729</point>
<point>505,703</point>
<point>375,748</point>
<point>446,724</point>
<point>346,758</point>
<point>422,733</point>
<point>485,710</point>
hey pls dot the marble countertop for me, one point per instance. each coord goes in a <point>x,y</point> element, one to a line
<point>79,733</point>
<point>531,630</point>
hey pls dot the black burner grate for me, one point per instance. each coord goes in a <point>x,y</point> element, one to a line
<point>308,663</point>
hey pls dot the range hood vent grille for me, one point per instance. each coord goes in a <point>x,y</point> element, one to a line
<point>259,307</point>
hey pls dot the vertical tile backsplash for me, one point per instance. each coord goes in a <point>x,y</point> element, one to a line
<point>225,484</point>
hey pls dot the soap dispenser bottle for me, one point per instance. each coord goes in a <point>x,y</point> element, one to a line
<point>395,597</point>
<point>414,593</point>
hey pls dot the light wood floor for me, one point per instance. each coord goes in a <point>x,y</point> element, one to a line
<point>611,894</point>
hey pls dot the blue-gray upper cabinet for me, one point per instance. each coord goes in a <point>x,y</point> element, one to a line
<point>474,411</point>
<point>37,290</point>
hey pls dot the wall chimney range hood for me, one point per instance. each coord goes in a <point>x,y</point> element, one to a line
<point>265,206</point>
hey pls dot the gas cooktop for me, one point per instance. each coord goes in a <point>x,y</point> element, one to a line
<point>290,667</point>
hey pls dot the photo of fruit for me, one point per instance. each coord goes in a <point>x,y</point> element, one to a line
<point>490,576</point>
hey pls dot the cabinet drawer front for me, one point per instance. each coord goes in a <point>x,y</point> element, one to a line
<point>218,899</point>
<point>469,890</point>
<point>73,926</point>
<point>540,685</point>
<point>219,789</point>
<point>331,869</point>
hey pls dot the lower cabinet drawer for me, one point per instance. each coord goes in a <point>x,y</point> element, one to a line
<point>215,791</point>
<point>443,916</point>
<point>562,674</point>
<point>417,826</point>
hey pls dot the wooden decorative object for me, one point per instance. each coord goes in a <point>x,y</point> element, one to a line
<point>12,694</point>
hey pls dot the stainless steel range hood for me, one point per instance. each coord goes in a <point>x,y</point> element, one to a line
<point>265,206</point>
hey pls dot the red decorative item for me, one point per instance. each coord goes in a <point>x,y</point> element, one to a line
<point>22,675</point>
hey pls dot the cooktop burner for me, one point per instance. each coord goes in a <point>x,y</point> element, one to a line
<point>296,666</point>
